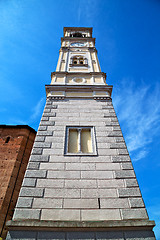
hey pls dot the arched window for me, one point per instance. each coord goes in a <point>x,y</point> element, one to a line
<point>7,139</point>
<point>75,60</point>
<point>79,61</point>
<point>77,34</point>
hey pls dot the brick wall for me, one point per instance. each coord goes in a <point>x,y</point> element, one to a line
<point>15,147</point>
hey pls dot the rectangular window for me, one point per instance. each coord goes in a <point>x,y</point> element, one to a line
<point>80,141</point>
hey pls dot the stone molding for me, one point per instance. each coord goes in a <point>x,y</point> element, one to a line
<point>79,225</point>
<point>78,39</point>
<point>78,73</point>
<point>87,89</point>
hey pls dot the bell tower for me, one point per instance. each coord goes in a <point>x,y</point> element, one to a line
<point>80,182</point>
<point>78,68</point>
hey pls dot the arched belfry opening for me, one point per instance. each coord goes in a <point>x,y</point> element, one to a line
<point>78,60</point>
<point>77,34</point>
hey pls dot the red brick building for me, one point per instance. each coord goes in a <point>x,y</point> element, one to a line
<point>15,147</point>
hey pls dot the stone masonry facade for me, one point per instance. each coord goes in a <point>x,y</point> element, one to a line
<point>81,188</point>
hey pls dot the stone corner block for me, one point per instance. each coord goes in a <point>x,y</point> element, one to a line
<point>26,214</point>
<point>29,182</point>
<point>42,145</point>
<point>49,114</point>
<point>129,192</point>
<point>42,128</point>
<point>39,158</point>
<point>33,165</point>
<point>54,106</point>
<point>120,158</point>
<point>37,151</point>
<point>47,123</point>
<point>31,192</point>
<point>124,174</point>
<point>139,213</point>
<point>44,118</point>
<point>45,133</point>
<point>24,202</point>
<point>136,203</point>
<point>39,139</point>
<point>131,182</point>
<point>47,110</point>
<point>36,173</point>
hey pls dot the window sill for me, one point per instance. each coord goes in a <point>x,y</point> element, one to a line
<point>78,65</point>
<point>80,154</point>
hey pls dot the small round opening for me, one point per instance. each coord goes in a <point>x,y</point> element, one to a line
<point>78,80</point>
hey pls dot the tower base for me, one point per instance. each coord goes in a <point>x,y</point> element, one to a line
<point>87,230</point>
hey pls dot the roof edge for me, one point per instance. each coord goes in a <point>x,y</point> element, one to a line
<point>18,126</point>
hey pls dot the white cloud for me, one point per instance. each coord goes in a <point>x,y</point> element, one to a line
<point>16,121</point>
<point>37,110</point>
<point>139,155</point>
<point>138,110</point>
<point>88,10</point>
<point>79,11</point>
<point>33,119</point>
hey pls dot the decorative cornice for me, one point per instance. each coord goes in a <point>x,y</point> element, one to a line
<point>79,73</point>
<point>78,65</point>
<point>80,225</point>
<point>78,29</point>
<point>97,92</point>
<point>78,39</point>
<point>84,88</point>
<point>66,49</point>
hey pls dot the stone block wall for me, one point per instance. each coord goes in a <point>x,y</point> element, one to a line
<point>79,188</point>
<point>93,235</point>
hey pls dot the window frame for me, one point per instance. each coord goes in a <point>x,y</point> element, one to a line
<point>93,140</point>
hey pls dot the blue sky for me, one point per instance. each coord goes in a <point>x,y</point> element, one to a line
<point>127,39</point>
